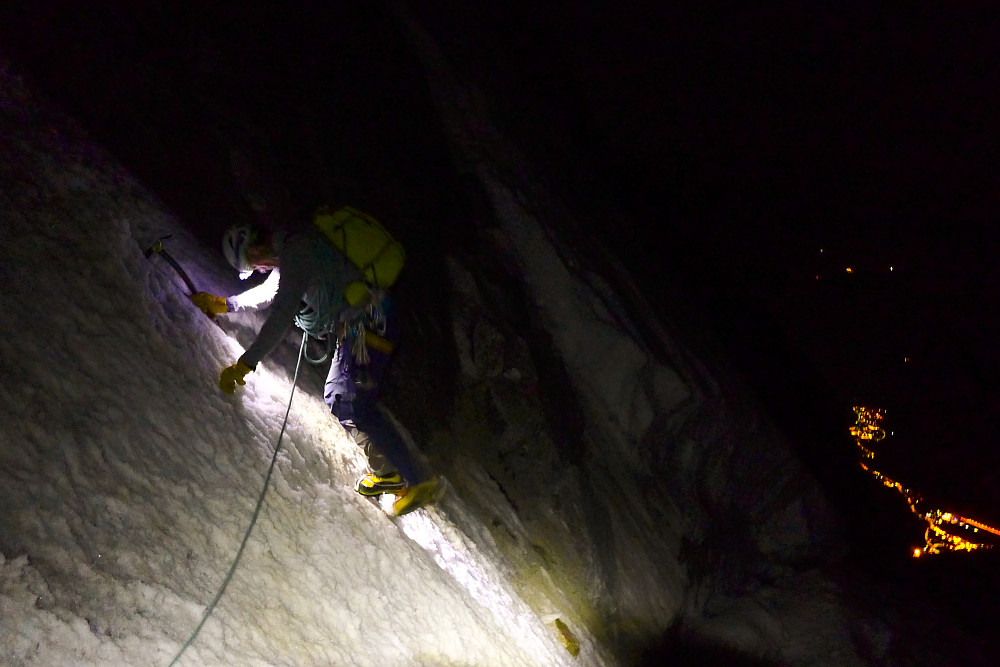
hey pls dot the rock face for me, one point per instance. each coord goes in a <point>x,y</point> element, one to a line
<point>575,409</point>
<point>629,478</point>
<point>597,465</point>
<point>637,494</point>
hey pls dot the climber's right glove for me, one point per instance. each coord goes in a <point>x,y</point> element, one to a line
<point>210,304</point>
<point>233,375</point>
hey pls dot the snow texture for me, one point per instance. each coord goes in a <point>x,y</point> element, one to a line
<point>614,489</point>
<point>129,479</point>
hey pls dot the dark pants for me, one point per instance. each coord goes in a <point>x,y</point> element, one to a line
<point>352,392</point>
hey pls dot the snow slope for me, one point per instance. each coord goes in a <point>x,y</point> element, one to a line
<point>602,475</point>
<point>129,479</point>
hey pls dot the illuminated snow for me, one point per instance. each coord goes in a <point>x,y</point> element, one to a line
<point>129,479</point>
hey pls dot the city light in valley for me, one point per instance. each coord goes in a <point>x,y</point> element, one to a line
<point>942,527</point>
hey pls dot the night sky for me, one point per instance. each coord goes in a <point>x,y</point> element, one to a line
<point>750,152</point>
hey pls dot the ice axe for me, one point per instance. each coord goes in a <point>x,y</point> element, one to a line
<point>158,248</point>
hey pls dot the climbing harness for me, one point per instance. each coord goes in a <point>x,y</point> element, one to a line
<point>158,248</point>
<point>256,512</point>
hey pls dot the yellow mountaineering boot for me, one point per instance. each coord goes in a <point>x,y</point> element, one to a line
<point>374,485</point>
<point>415,497</point>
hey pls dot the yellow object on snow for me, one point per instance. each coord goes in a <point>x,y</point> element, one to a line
<point>567,638</point>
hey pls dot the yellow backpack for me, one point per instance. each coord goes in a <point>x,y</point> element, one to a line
<point>366,243</point>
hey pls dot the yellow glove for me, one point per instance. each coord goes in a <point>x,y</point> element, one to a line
<point>233,375</point>
<point>210,304</point>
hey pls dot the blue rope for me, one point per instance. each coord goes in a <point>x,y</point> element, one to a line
<point>253,520</point>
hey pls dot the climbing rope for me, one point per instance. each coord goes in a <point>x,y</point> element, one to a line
<point>256,513</point>
<point>328,342</point>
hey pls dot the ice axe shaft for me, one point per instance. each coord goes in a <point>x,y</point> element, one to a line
<point>158,248</point>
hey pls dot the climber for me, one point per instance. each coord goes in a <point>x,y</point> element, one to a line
<point>329,289</point>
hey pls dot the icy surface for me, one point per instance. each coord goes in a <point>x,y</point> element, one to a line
<point>129,479</point>
<point>600,475</point>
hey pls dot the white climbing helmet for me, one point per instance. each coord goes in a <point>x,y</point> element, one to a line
<point>235,242</point>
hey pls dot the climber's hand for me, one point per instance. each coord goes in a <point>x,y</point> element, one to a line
<point>210,304</point>
<point>233,375</point>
